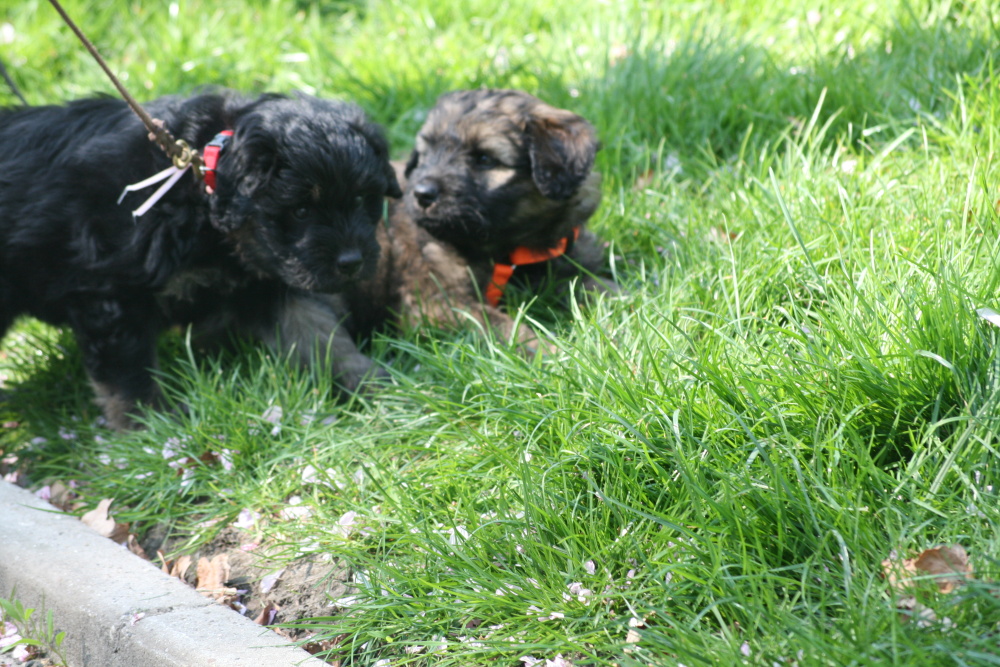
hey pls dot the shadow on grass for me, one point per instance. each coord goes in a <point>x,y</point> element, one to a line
<point>48,399</point>
<point>698,97</point>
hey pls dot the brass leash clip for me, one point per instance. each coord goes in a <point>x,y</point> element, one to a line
<point>188,157</point>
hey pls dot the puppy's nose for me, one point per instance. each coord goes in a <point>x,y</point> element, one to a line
<point>349,263</point>
<point>426,193</point>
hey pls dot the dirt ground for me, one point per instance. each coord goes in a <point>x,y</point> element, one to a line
<point>233,568</point>
<point>261,588</point>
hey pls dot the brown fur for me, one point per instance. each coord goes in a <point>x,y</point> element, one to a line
<point>492,170</point>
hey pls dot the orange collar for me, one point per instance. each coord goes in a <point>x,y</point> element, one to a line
<point>522,255</point>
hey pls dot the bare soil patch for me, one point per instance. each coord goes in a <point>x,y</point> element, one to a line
<point>269,590</point>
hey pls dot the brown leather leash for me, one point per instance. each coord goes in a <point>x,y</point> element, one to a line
<point>10,84</point>
<point>177,150</point>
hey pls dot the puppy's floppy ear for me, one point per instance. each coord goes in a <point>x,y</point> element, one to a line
<point>376,139</point>
<point>253,154</point>
<point>561,146</point>
<point>245,166</point>
<point>393,189</point>
<point>412,163</point>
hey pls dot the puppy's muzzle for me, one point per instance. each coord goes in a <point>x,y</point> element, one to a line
<point>426,193</point>
<point>350,262</point>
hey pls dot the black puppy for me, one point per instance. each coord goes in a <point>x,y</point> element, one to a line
<point>299,191</point>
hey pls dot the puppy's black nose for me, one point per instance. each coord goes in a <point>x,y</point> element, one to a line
<point>426,193</point>
<point>349,263</point>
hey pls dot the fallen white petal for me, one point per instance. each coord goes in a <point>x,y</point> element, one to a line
<point>269,581</point>
<point>273,414</point>
<point>246,519</point>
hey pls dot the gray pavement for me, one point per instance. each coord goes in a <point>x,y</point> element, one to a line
<point>97,590</point>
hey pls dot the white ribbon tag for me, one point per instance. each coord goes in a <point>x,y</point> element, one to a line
<point>171,174</point>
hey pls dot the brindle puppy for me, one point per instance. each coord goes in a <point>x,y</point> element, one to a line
<point>497,178</point>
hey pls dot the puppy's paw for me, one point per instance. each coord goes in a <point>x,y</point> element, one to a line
<point>592,286</point>
<point>360,375</point>
<point>530,345</point>
<point>374,381</point>
<point>539,348</point>
<point>121,411</point>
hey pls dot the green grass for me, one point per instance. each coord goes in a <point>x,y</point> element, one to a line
<point>803,207</point>
<point>28,634</point>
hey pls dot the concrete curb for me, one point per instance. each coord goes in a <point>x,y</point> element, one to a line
<point>95,589</point>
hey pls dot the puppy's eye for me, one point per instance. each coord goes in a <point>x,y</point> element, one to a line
<point>484,160</point>
<point>301,213</point>
<point>359,201</point>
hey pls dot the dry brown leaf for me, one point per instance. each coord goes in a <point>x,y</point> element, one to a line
<point>101,521</point>
<point>190,463</point>
<point>948,565</point>
<point>212,577</point>
<point>135,547</point>
<point>898,573</point>
<point>266,615</point>
<point>180,567</point>
<point>315,647</point>
<point>62,496</point>
<point>644,180</point>
<point>213,574</point>
<point>721,235</point>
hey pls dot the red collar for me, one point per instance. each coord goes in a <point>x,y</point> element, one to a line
<point>211,157</point>
<point>522,255</point>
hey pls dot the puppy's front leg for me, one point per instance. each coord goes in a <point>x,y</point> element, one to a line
<point>440,308</point>
<point>502,323</point>
<point>310,328</point>
<point>589,255</point>
<point>595,286</point>
<point>117,339</point>
<point>438,288</point>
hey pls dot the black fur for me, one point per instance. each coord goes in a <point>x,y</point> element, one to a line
<point>299,192</point>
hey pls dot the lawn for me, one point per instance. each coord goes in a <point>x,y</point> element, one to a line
<point>802,379</point>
